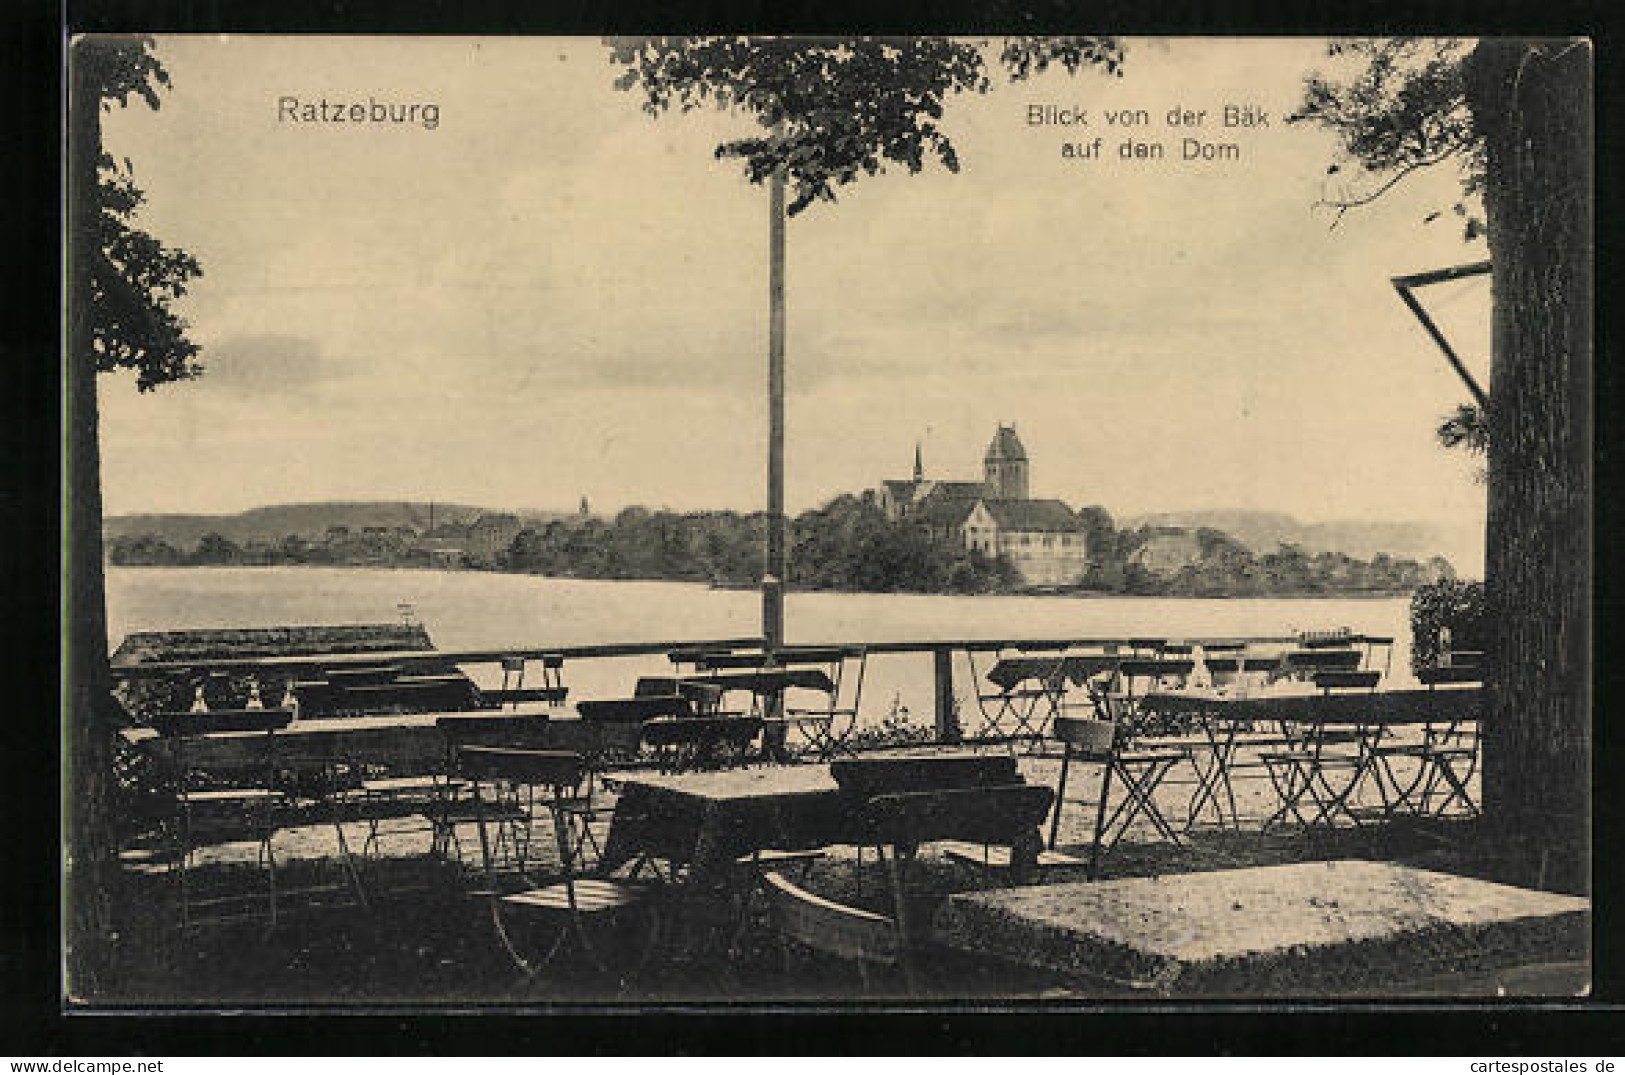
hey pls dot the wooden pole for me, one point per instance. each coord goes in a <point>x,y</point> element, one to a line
<point>947,720</point>
<point>773,574</point>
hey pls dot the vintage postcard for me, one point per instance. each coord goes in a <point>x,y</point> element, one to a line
<point>827,521</point>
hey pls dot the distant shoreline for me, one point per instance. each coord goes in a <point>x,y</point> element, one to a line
<point>1341,595</point>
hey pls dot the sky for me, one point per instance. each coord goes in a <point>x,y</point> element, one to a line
<point>551,294</point>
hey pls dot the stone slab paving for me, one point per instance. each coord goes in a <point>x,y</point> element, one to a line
<point>1300,930</point>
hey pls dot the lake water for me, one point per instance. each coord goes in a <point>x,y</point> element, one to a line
<point>478,610</point>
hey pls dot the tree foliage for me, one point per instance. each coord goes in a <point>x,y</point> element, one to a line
<point>1465,428</point>
<point>134,279</point>
<point>1402,109</point>
<point>835,110</point>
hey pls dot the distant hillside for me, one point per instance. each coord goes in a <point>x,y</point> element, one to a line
<point>1264,531</point>
<point>277,521</point>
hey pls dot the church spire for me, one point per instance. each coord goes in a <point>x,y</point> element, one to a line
<point>919,467</point>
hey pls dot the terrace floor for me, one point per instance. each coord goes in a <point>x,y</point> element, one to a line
<point>424,940</point>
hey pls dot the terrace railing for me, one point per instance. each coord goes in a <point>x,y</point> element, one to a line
<point>946,701</point>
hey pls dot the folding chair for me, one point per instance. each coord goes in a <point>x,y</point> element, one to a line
<point>1234,671</point>
<point>439,796</point>
<point>826,729</point>
<point>1450,754</point>
<point>539,902</point>
<point>1139,772</point>
<point>1029,692</point>
<point>230,804</point>
<point>1446,753</point>
<point>1137,677</point>
<point>1302,774</point>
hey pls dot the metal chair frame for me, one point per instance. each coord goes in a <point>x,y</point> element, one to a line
<point>1087,739</point>
<point>1027,709</point>
<point>1303,772</point>
<point>261,801</point>
<point>510,789</point>
<point>826,730</point>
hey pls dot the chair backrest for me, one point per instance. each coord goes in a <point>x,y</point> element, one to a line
<point>705,697</point>
<point>635,710</point>
<point>1152,670</point>
<point>1242,663</point>
<point>864,778</point>
<point>717,662</point>
<point>1086,735</point>
<point>845,667</point>
<point>1000,814</point>
<point>1155,668</point>
<point>1347,681</point>
<point>1307,662</point>
<point>829,927</point>
<point>559,769</point>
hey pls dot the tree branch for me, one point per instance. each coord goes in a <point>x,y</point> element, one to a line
<point>1345,205</point>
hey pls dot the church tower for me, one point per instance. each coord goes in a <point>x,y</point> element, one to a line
<point>1005,466</point>
<point>919,464</point>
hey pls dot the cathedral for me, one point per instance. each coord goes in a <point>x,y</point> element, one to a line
<point>996,516</point>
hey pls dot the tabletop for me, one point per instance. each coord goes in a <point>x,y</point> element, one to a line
<point>407,743</point>
<point>312,726</point>
<point>735,784</point>
<point>768,680</point>
<point>1009,672</point>
<point>1410,706</point>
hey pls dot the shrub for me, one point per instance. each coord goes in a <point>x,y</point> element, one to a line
<point>897,728</point>
<point>1453,603</point>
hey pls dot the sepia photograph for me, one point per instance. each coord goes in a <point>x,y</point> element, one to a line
<point>786,522</point>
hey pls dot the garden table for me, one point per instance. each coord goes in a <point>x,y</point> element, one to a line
<point>1032,689</point>
<point>1299,930</point>
<point>408,743</point>
<point>1368,717</point>
<point>767,685</point>
<point>707,821</point>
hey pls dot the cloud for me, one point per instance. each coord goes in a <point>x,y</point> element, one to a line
<point>265,364</point>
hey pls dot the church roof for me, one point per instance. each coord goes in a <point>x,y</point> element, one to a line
<point>1045,516</point>
<point>949,503</point>
<point>946,512</point>
<point>1006,447</point>
<point>958,490</point>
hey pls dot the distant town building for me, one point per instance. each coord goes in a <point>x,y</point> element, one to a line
<point>1042,538</point>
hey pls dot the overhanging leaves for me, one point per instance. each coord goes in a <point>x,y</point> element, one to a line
<point>835,110</point>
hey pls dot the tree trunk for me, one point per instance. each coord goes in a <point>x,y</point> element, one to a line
<point>1532,104</point>
<point>88,855</point>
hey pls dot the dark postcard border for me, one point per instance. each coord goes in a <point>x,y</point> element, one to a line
<point>30,1019</point>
